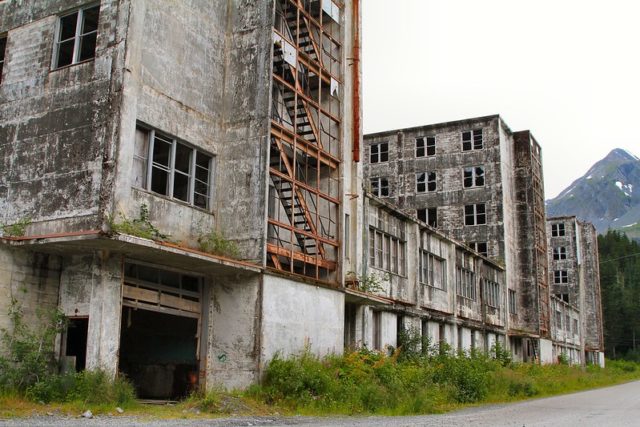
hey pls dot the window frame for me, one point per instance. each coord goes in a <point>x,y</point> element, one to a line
<point>77,38</point>
<point>560,277</point>
<point>513,302</point>
<point>558,229</point>
<point>426,145</point>
<point>430,216</point>
<point>377,186</point>
<point>491,293</point>
<point>475,215</point>
<point>428,262</point>
<point>151,135</point>
<point>559,253</point>
<point>429,181</point>
<point>475,140</point>
<point>379,152</point>
<point>474,177</point>
<point>466,283</point>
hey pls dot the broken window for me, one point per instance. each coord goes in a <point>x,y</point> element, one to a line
<point>380,187</point>
<point>491,293</point>
<point>475,214</point>
<point>77,36</point>
<point>512,302</point>
<point>465,283</point>
<point>563,297</point>
<point>428,215</point>
<point>432,270</point>
<point>387,243</point>
<point>480,247</point>
<point>379,153</point>
<point>426,146</point>
<point>559,253</point>
<point>560,276</point>
<point>557,230</point>
<point>472,140</point>
<point>474,177</point>
<point>3,48</point>
<point>425,182</point>
<point>165,166</point>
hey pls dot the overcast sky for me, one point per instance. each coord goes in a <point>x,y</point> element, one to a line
<point>568,70</point>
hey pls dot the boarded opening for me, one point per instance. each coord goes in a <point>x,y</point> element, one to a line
<point>76,344</point>
<point>158,353</point>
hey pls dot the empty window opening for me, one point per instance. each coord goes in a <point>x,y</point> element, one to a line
<point>480,247</point>
<point>475,214</point>
<point>472,140</point>
<point>557,230</point>
<point>3,48</point>
<point>75,345</point>
<point>560,276</point>
<point>380,187</point>
<point>428,215</point>
<point>474,177</point>
<point>165,166</point>
<point>77,36</point>
<point>425,182</point>
<point>426,146</point>
<point>559,253</point>
<point>379,153</point>
<point>563,297</point>
<point>350,311</point>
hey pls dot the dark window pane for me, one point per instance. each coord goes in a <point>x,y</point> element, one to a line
<point>65,53</point>
<point>68,26</point>
<point>420,152</point>
<point>90,17</point>
<point>3,47</point>
<point>190,283</point>
<point>384,156</point>
<point>88,47</point>
<point>159,181</point>
<point>422,215</point>
<point>183,158</point>
<point>161,151</point>
<point>181,186</point>
<point>203,160</point>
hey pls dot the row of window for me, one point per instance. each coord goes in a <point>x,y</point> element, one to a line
<point>75,40</point>
<point>426,182</point>
<point>386,252</point>
<point>425,146</point>
<point>567,323</point>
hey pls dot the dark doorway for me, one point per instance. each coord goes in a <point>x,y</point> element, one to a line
<point>76,343</point>
<point>158,353</point>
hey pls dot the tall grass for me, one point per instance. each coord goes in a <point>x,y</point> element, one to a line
<point>366,382</point>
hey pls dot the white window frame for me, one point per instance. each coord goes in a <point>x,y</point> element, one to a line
<point>476,246</point>
<point>425,144</point>
<point>558,229</point>
<point>431,220</point>
<point>429,274</point>
<point>77,37</point>
<point>151,135</point>
<point>379,152</point>
<point>476,215</point>
<point>475,139</point>
<point>465,283</point>
<point>427,179</point>
<point>474,176</point>
<point>377,186</point>
<point>559,253</point>
<point>491,293</point>
<point>560,277</point>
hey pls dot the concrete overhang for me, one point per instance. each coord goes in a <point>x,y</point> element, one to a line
<point>135,248</point>
<point>358,297</point>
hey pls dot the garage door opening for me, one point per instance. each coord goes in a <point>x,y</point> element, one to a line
<point>158,353</point>
<point>160,331</point>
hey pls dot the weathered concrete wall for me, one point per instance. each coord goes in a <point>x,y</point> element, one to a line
<point>32,279</point>
<point>233,331</point>
<point>295,315</point>
<point>58,122</point>
<point>592,306</point>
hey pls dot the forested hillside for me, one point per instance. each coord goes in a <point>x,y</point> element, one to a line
<point>620,284</point>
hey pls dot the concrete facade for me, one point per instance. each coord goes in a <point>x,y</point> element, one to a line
<point>169,120</point>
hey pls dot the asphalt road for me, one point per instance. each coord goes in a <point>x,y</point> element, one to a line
<point>612,406</point>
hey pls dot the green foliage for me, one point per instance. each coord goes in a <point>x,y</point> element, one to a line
<point>30,352</point>
<point>366,382</point>
<point>369,283</point>
<point>563,358</point>
<point>29,369</point>
<point>501,354</point>
<point>215,243</point>
<point>138,227</point>
<point>88,387</point>
<point>620,286</point>
<point>17,229</point>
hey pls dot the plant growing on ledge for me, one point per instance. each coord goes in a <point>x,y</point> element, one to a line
<point>138,227</point>
<point>214,243</point>
<point>369,283</point>
<point>16,229</point>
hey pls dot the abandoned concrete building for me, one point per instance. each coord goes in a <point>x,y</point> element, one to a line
<point>194,120</point>
<point>241,126</point>
<point>574,275</point>
<point>480,183</point>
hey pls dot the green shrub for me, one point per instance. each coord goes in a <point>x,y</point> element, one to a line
<point>138,227</point>
<point>215,243</point>
<point>17,229</point>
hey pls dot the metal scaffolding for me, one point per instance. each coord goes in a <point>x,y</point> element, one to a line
<point>305,141</point>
